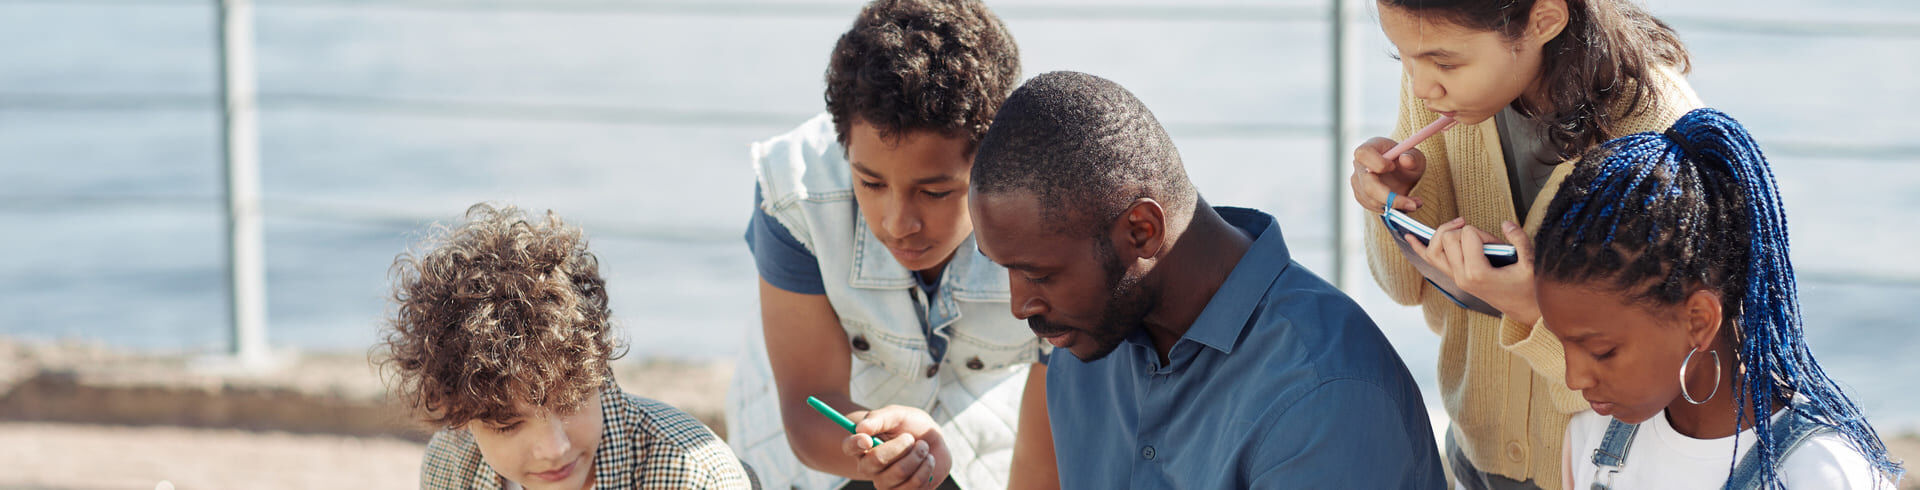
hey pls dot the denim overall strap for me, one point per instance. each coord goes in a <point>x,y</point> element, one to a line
<point>1611,456</point>
<point>1791,431</point>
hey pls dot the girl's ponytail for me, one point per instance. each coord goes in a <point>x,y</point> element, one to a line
<point>1661,215</point>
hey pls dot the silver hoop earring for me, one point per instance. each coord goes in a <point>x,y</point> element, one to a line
<point>1683,376</point>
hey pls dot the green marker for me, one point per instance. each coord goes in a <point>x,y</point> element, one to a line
<point>820,406</point>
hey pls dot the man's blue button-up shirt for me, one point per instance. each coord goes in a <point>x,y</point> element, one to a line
<point>1281,382</point>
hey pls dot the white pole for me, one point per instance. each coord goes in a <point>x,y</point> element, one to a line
<point>1345,103</point>
<point>246,263</point>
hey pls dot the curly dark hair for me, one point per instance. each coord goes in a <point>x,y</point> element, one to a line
<point>502,308</point>
<point>922,65</point>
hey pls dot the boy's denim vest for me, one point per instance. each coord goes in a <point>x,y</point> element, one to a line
<point>973,393</point>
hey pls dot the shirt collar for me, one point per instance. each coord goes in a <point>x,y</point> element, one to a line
<point>617,439</point>
<point>1219,325</point>
<point>873,266</point>
<point>969,272</point>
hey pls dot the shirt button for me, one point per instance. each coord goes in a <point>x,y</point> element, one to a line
<point>860,343</point>
<point>975,364</point>
<point>933,370</point>
<point>1146,452</point>
<point>1515,451</point>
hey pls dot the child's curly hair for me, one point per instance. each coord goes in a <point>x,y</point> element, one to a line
<point>499,309</point>
<point>922,65</point>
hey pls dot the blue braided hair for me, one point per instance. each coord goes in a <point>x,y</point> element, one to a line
<point>1660,215</point>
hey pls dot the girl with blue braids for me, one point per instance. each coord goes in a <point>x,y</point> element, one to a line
<point>1662,267</point>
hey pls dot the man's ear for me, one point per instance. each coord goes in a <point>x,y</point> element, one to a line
<point>1704,323</point>
<point>1141,231</point>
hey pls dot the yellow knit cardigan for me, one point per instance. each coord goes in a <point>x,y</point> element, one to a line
<point>1503,383</point>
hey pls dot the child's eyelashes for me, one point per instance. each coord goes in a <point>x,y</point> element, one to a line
<point>875,186</point>
<point>882,185</point>
<point>1442,66</point>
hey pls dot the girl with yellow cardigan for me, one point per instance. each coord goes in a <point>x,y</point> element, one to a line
<point>1532,83</point>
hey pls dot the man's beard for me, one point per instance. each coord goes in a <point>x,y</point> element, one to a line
<point>1124,312</point>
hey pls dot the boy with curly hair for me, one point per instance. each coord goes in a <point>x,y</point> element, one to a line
<point>502,340</point>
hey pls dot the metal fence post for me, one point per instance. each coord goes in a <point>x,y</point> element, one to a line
<point>1344,103</point>
<point>240,148</point>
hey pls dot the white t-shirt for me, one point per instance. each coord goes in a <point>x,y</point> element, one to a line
<point>1661,457</point>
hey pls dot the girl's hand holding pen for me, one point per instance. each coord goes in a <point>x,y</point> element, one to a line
<point>1381,166</point>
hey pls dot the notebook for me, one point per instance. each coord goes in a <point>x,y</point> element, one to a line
<point>1400,225</point>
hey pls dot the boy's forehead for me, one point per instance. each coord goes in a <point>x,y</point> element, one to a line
<point>524,406</point>
<point>502,414</point>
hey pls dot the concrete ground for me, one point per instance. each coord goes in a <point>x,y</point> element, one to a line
<point>78,456</point>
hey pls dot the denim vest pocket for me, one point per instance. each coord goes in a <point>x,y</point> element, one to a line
<point>890,371</point>
<point>995,348</point>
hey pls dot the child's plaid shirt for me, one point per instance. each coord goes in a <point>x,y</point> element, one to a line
<point>647,445</point>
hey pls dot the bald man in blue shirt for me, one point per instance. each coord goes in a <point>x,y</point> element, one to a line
<point>1204,356</point>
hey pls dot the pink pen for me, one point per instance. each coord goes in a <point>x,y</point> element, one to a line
<point>1438,126</point>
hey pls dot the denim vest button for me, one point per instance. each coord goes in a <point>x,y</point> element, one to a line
<point>1146,452</point>
<point>975,364</point>
<point>860,343</point>
<point>933,370</point>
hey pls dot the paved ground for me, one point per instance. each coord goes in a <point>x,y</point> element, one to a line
<point>72,456</point>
